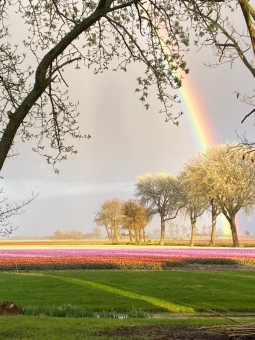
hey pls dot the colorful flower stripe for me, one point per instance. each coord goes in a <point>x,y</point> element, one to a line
<point>124,256</point>
<point>68,260</point>
<point>113,260</point>
<point>131,252</point>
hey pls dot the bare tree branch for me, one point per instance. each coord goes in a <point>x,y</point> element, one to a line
<point>248,115</point>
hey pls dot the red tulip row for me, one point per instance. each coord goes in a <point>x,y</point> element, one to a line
<point>120,261</point>
<point>76,259</point>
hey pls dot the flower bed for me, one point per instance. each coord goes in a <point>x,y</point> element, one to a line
<point>121,257</point>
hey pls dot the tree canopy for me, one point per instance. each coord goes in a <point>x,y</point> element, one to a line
<point>224,178</point>
<point>161,193</point>
<point>48,36</point>
<point>131,215</point>
<point>110,216</point>
<point>192,206</point>
<point>135,218</point>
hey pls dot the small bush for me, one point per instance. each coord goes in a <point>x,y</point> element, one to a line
<point>70,311</point>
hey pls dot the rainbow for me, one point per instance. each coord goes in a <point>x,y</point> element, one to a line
<point>201,127</point>
<point>200,123</point>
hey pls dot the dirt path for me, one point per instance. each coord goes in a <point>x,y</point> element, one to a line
<point>224,267</point>
<point>167,332</point>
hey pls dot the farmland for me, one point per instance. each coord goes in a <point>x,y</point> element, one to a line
<point>149,285</point>
<point>49,255</point>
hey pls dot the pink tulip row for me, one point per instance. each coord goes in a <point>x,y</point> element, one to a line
<point>181,252</point>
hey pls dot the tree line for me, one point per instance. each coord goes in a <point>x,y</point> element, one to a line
<point>75,234</point>
<point>219,181</point>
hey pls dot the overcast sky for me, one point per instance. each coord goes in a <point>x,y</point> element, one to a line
<point>127,141</point>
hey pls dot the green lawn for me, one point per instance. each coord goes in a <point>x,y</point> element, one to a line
<point>48,328</point>
<point>154,291</point>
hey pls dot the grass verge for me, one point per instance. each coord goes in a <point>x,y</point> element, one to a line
<point>24,327</point>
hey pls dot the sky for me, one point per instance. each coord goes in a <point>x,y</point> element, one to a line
<point>127,141</point>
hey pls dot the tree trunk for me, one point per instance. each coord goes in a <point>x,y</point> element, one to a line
<point>144,236</point>
<point>137,240</point>
<point>115,234</point>
<point>163,231</point>
<point>111,234</point>
<point>108,233</point>
<point>130,235</point>
<point>234,232</point>
<point>193,231</point>
<point>140,235</point>
<point>213,231</point>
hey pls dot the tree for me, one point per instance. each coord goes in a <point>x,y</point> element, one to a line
<point>196,188</point>
<point>110,216</point>
<point>161,193</point>
<point>9,209</point>
<point>228,179</point>
<point>174,229</point>
<point>95,234</point>
<point>68,235</point>
<point>135,218</point>
<point>233,182</point>
<point>34,98</point>
<point>247,233</point>
<point>192,207</point>
<point>230,42</point>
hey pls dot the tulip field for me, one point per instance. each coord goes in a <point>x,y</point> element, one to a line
<point>121,257</point>
<point>39,278</point>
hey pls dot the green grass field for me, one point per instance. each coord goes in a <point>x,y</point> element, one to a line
<point>183,292</point>
<point>155,291</point>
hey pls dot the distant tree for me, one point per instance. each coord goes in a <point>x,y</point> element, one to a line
<point>110,216</point>
<point>72,234</point>
<point>58,235</point>
<point>135,218</point>
<point>219,232</point>
<point>205,230</point>
<point>174,229</point>
<point>96,233</point>
<point>184,230</point>
<point>161,193</point>
<point>247,233</point>
<point>156,232</point>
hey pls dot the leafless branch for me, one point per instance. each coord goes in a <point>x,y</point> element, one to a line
<point>248,115</point>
